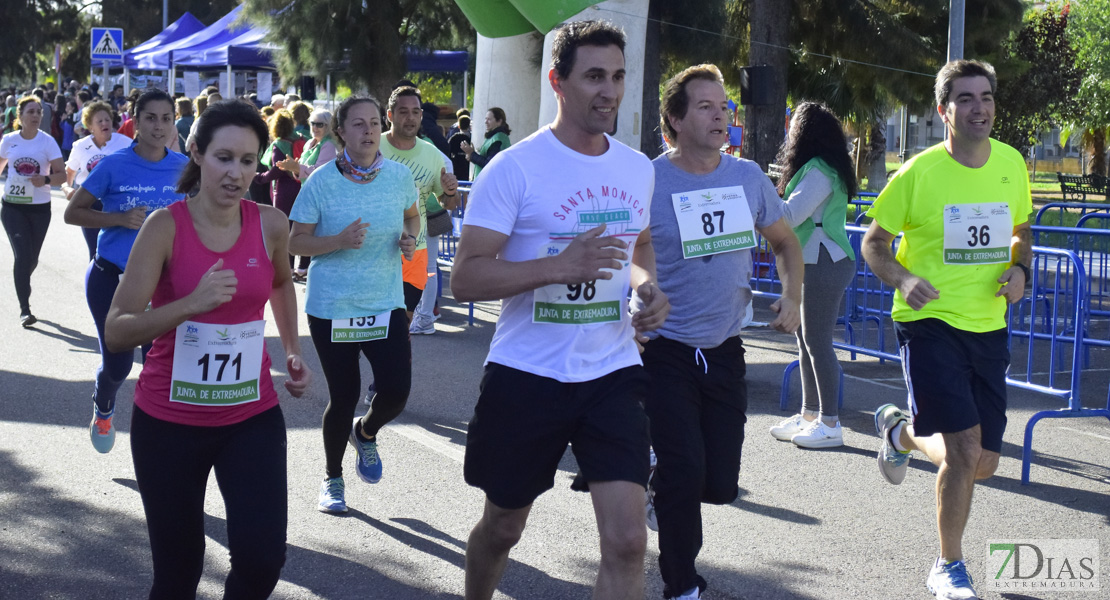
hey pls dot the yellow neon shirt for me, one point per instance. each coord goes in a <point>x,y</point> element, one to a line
<point>914,202</point>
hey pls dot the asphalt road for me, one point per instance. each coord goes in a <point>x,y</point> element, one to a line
<point>808,524</point>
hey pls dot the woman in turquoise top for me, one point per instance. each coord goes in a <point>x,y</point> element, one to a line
<point>497,139</point>
<point>357,216</point>
<point>817,181</point>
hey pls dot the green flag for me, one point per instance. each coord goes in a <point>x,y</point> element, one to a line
<point>504,18</point>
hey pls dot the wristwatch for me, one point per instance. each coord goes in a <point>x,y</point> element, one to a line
<point>1024,269</point>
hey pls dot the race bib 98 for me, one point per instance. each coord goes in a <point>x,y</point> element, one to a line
<point>597,301</point>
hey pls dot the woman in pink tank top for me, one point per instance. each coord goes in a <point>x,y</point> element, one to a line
<point>205,400</point>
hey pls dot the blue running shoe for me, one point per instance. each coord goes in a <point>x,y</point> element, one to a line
<point>950,581</point>
<point>892,463</point>
<point>331,499</point>
<point>369,464</point>
<point>102,433</point>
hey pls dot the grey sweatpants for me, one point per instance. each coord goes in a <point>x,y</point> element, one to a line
<point>822,292</point>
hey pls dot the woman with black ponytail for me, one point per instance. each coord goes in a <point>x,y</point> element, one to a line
<point>128,184</point>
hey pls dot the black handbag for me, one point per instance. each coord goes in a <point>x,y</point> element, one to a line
<point>439,223</point>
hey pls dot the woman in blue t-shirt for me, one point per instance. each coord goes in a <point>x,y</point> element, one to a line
<point>129,184</point>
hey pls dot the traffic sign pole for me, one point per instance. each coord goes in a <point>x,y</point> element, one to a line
<point>107,46</point>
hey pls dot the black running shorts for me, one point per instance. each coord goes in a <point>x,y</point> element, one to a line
<point>523,423</point>
<point>956,379</point>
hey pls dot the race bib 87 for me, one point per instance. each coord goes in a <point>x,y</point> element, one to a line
<point>713,221</point>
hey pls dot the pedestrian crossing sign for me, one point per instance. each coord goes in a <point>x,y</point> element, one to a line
<point>107,43</point>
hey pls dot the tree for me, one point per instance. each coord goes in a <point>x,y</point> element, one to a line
<point>1042,91</point>
<point>769,37</point>
<point>31,29</point>
<point>884,54</point>
<point>363,38</point>
<point>676,38</point>
<point>882,59</point>
<point>1089,31</point>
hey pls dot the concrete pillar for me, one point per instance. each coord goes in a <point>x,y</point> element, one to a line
<point>631,16</point>
<point>505,75</point>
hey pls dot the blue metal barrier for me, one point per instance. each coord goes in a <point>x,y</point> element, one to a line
<point>1061,208</point>
<point>449,243</point>
<point>860,206</point>
<point>1092,248</point>
<point>1064,265</point>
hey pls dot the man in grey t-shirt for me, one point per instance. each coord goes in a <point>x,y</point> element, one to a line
<point>705,212</point>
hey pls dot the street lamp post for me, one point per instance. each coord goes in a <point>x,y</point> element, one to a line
<point>955,29</point>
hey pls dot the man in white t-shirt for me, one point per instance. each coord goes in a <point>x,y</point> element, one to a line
<point>557,227</point>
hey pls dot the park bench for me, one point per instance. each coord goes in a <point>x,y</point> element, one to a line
<point>1075,188</point>
<point>774,172</point>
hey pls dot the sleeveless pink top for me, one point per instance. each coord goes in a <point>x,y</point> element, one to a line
<point>250,261</point>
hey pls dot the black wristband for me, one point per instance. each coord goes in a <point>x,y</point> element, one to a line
<point>47,180</point>
<point>1024,269</point>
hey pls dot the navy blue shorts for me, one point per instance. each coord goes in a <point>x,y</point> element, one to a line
<point>956,379</point>
<point>523,423</point>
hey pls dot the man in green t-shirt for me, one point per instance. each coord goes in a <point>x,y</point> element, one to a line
<point>963,209</point>
<point>429,173</point>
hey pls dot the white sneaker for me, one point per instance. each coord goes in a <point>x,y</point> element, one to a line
<point>428,329</point>
<point>819,435</point>
<point>649,497</point>
<point>786,430</point>
<point>649,506</point>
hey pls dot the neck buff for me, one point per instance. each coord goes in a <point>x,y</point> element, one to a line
<point>360,174</point>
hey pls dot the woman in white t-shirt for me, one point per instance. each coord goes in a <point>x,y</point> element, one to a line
<point>87,152</point>
<point>33,157</point>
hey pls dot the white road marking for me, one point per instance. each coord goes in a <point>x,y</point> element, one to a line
<point>432,442</point>
<point>1101,437</point>
<point>878,382</point>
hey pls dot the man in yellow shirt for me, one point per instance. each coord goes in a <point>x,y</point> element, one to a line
<point>963,209</point>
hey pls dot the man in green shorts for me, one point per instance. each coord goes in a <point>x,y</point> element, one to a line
<point>963,209</point>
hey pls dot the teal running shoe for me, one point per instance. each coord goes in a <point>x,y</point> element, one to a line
<point>331,499</point>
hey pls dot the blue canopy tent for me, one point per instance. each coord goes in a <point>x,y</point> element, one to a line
<point>251,51</point>
<point>228,44</point>
<point>245,51</point>
<point>218,34</point>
